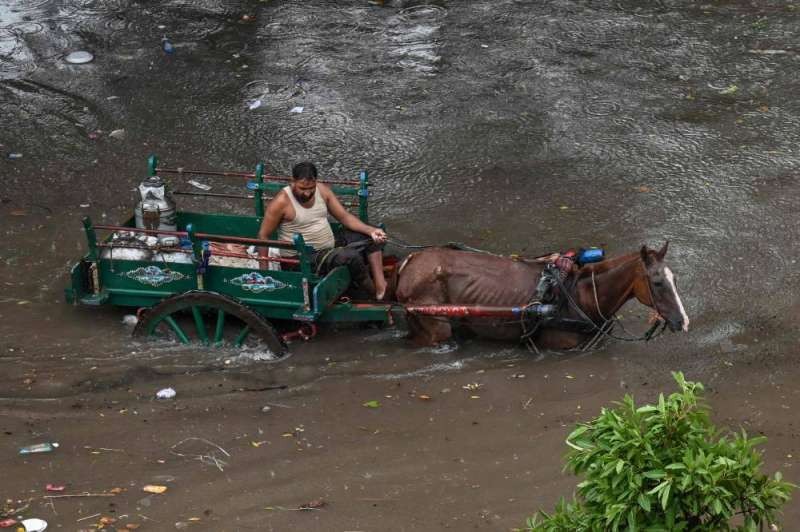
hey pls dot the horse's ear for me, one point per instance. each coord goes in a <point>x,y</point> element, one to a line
<point>663,251</point>
<point>645,255</point>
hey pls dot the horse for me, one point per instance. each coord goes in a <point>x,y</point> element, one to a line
<point>592,297</point>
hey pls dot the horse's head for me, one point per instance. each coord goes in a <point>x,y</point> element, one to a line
<point>658,289</point>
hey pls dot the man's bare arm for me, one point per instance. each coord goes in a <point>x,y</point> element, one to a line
<point>348,219</point>
<point>271,221</point>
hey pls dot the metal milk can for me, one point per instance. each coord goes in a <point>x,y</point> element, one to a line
<point>156,208</point>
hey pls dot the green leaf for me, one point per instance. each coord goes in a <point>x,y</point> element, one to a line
<point>655,473</point>
<point>717,506</point>
<point>372,404</point>
<point>644,502</point>
<point>658,488</point>
<point>665,496</point>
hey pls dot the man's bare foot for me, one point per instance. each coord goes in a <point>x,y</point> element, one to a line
<point>380,290</point>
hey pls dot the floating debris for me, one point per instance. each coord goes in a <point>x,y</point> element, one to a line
<point>166,393</point>
<point>79,58</point>
<point>199,185</point>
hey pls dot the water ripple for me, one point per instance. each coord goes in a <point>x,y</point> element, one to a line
<point>601,108</point>
<point>422,13</point>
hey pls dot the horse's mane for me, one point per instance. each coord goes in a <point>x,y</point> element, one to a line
<point>609,264</point>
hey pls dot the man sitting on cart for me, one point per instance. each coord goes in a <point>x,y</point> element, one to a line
<point>303,208</point>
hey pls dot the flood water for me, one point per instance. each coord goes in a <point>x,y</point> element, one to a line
<point>514,126</point>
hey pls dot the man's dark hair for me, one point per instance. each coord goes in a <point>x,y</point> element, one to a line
<point>304,170</point>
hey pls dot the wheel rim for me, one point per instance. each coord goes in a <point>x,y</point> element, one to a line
<point>209,319</point>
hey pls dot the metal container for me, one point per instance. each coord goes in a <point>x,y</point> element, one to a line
<point>156,208</point>
<point>586,256</point>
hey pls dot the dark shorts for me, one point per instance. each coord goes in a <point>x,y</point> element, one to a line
<point>351,250</point>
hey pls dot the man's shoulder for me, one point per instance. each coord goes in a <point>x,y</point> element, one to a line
<point>279,201</point>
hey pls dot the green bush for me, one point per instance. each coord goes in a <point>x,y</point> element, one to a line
<point>665,467</point>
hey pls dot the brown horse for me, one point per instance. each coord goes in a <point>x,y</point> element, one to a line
<point>442,276</point>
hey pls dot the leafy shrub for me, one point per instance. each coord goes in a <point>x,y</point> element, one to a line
<point>664,467</point>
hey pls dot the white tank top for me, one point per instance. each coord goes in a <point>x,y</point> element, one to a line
<point>311,222</point>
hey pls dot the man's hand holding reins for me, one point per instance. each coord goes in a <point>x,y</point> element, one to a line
<point>378,236</point>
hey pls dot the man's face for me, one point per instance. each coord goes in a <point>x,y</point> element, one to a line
<point>303,189</point>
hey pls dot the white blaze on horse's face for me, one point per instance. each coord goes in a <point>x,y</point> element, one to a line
<point>671,282</point>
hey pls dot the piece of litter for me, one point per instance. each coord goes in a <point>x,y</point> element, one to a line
<point>15,156</point>
<point>484,46</point>
<point>54,487</point>
<point>255,104</point>
<point>199,185</point>
<point>153,488</point>
<point>84,205</point>
<point>166,393</point>
<point>266,409</point>
<point>372,404</point>
<point>118,134</point>
<point>79,58</point>
<point>34,525</point>
<point>296,110</point>
<point>112,97</point>
<point>313,505</point>
<point>130,320</point>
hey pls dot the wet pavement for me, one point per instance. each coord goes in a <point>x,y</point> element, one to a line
<point>512,126</point>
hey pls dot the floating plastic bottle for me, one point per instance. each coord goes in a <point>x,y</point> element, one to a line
<point>39,448</point>
<point>167,46</point>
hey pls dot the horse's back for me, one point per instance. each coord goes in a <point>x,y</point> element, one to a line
<point>442,276</point>
<point>467,278</point>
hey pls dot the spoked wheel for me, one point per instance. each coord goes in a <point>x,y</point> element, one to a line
<point>210,319</point>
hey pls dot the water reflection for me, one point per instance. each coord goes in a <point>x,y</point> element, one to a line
<point>512,126</point>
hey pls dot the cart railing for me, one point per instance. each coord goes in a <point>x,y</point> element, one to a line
<point>197,239</point>
<point>354,192</point>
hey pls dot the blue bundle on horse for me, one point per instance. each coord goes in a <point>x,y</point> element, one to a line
<point>486,290</point>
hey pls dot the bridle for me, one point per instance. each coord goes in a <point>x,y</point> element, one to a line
<point>604,330</point>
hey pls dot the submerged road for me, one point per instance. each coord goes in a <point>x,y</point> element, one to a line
<point>510,125</point>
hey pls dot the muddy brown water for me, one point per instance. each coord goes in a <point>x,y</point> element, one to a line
<point>512,126</point>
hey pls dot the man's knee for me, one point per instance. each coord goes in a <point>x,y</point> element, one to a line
<point>350,258</point>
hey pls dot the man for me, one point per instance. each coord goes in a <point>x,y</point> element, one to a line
<point>303,207</point>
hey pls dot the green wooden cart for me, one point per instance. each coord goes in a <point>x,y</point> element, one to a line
<point>189,289</point>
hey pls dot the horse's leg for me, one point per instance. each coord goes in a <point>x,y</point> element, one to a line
<point>427,331</point>
<point>424,289</point>
<point>555,339</point>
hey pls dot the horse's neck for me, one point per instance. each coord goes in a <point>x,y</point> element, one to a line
<point>611,287</point>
